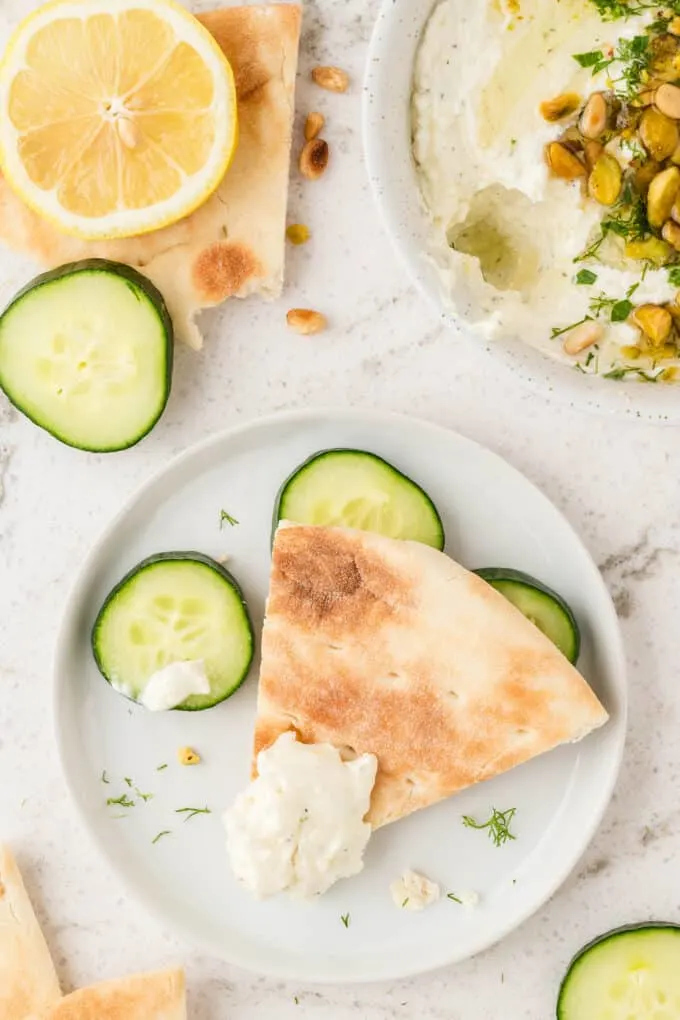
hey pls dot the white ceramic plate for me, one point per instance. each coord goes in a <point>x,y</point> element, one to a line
<point>387,142</point>
<point>493,516</point>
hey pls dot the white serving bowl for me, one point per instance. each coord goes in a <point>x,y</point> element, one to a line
<point>387,141</point>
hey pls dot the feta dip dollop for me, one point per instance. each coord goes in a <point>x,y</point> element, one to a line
<point>170,686</point>
<point>299,827</point>
<point>506,230</point>
<point>413,891</point>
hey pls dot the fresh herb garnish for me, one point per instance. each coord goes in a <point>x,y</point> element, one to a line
<point>628,220</point>
<point>674,276</point>
<point>589,59</point>
<point>165,832</point>
<point>617,309</point>
<point>586,277</point>
<point>296,1000</point>
<point>613,10</point>
<point>557,331</point>
<point>626,370</point>
<point>105,778</point>
<point>405,902</point>
<point>123,801</point>
<point>345,918</point>
<point>632,56</point>
<point>226,518</point>
<point>451,896</point>
<point>498,825</point>
<point>143,796</point>
<point>191,812</point>
<point>161,767</point>
<point>128,782</point>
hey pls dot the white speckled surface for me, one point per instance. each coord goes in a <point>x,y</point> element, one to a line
<point>619,484</point>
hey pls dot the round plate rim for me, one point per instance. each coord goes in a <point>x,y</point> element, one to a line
<point>329,973</point>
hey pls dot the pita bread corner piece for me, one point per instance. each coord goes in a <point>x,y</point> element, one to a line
<point>28,980</point>
<point>157,996</point>
<point>389,647</point>
<point>234,245</point>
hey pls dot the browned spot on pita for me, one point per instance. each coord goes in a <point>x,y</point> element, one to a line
<point>324,580</point>
<point>250,79</point>
<point>2,890</point>
<point>222,269</point>
<point>142,997</point>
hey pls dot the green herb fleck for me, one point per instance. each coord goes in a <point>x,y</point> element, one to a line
<point>557,331</point>
<point>105,778</point>
<point>624,371</point>
<point>498,825</point>
<point>128,782</point>
<point>345,918</point>
<point>161,767</point>
<point>404,903</point>
<point>586,277</point>
<point>143,796</point>
<point>296,1000</point>
<point>451,896</point>
<point>191,812</point>
<point>226,518</point>
<point>165,832</point>
<point>674,276</point>
<point>123,801</point>
<point>590,59</point>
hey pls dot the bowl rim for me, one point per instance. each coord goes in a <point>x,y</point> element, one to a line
<point>635,401</point>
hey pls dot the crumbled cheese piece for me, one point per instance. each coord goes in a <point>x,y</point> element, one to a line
<point>413,891</point>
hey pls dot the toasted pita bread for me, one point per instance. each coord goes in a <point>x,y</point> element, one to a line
<point>159,996</point>
<point>234,245</point>
<point>28,981</point>
<point>388,647</point>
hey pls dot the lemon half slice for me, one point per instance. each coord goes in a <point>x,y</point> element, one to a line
<point>117,117</point>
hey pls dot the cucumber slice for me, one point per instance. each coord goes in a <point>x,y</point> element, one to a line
<point>354,489</point>
<point>629,974</point>
<point>175,607</point>
<point>544,607</point>
<point>86,353</point>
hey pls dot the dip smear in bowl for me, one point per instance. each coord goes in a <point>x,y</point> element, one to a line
<point>546,137</point>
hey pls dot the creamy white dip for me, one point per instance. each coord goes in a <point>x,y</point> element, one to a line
<point>169,687</point>
<point>299,827</point>
<point>413,891</point>
<point>479,138</point>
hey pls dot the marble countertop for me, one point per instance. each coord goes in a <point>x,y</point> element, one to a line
<point>617,482</point>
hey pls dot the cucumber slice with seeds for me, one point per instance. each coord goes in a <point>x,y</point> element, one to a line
<point>175,607</point>
<point>354,489</point>
<point>86,353</point>
<point>629,974</point>
<point>544,607</point>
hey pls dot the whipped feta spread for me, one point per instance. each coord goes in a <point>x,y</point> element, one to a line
<point>414,892</point>
<point>299,827</point>
<point>169,687</point>
<point>505,231</point>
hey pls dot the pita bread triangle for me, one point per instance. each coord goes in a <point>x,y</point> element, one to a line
<point>234,244</point>
<point>28,981</point>
<point>389,647</point>
<point>158,996</point>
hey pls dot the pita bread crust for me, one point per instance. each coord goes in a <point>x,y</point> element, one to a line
<point>28,980</point>
<point>234,245</point>
<point>392,648</point>
<point>157,996</point>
